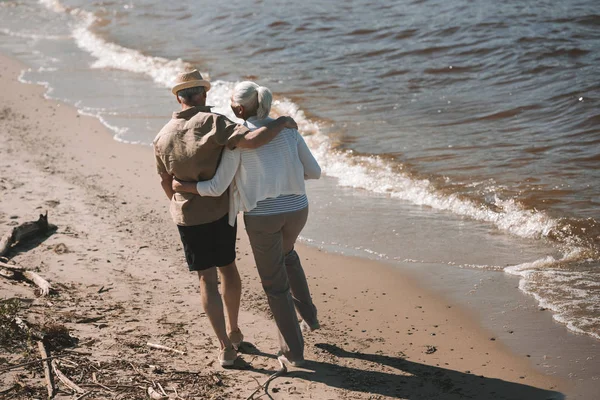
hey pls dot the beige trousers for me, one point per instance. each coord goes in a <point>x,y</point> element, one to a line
<point>272,238</point>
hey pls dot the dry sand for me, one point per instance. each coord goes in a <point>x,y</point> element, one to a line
<point>122,282</point>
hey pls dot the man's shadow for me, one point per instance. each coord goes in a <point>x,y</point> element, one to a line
<point>411,380</point>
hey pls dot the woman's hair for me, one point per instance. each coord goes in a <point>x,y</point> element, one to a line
<point>253,97</point>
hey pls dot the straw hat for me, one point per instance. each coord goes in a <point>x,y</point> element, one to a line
<point>189,79</point>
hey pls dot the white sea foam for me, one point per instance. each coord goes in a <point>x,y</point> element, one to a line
<point>377,175</point>
<point>111,55</point>
<point>564,291</point>
<point>100,115</point>
<point>21,78</point>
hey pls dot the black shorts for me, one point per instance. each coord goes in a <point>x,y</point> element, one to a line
<point>209,245</point>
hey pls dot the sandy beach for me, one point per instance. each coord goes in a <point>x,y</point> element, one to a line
<point>120,278</point>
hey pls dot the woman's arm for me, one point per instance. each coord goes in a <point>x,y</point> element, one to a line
<point>219,183</point>
<point>312,170</point>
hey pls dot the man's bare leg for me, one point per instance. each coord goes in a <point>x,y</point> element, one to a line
<point>231,288</point>
<point>212,304</point>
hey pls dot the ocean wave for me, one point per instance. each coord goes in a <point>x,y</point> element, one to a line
<point>371,173</point>
<point>379,175</point>
<point>568,292</point>
<point>112,55</point>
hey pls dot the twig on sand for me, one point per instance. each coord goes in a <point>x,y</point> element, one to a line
<point>161,347</point>
<point>83,395</point>
<point>161,389</point>
<point>27,363</point>
<point>265,385</point>
<point>66,380</point>
<point>10,389</point>
<point>155,395</point>
<point>47,372</point>
<point>12,267</point>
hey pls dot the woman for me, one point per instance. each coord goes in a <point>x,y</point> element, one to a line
<point>268,185</point>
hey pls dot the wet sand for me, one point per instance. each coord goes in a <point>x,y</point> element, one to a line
<point>383,335</point>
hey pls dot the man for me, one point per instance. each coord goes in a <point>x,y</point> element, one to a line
<point>189,148</point>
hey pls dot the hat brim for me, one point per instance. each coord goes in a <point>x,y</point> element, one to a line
<point>190,84</point>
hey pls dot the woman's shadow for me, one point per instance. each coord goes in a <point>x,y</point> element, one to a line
<point>405,379</point>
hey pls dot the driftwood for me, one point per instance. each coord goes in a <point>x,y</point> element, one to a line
<point>6,273</point>
<point>47,372</point>
<point>6,241</point>
<point>66,380</point>
<point>12,267</point>
<point>25,231</point>
<point>41,283</point>
<point>18,272</point>
<point>161,347</point>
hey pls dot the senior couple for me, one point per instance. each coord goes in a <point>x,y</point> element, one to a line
<point>211,169</point>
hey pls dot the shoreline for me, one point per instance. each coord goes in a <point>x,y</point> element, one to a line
<point>76,154</point>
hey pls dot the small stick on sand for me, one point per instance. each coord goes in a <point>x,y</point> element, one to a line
<point>155,395</point>
<point>265,385</point>
<point>12,267</point>
<point>66,380</point>
<point>161,347</point>
<point>161,389</point>
<point>27,363</point>
<point>47,373</point>
<point>83,395</point>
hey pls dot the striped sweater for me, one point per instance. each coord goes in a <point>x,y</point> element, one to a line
<point>273,170</point>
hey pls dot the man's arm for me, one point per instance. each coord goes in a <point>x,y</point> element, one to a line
<point>166,180</point>
<point>264,135</point>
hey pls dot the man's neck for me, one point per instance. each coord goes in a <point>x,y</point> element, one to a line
<point>187,107</point>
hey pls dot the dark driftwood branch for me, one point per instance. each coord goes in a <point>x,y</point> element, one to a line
<point>25,231</point>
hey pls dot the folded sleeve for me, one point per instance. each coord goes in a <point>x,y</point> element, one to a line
<point>312,170</point>
<point>228,166</point>
<point>160,164</point>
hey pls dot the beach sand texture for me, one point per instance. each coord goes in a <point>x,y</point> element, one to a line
<point>122,283</point>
